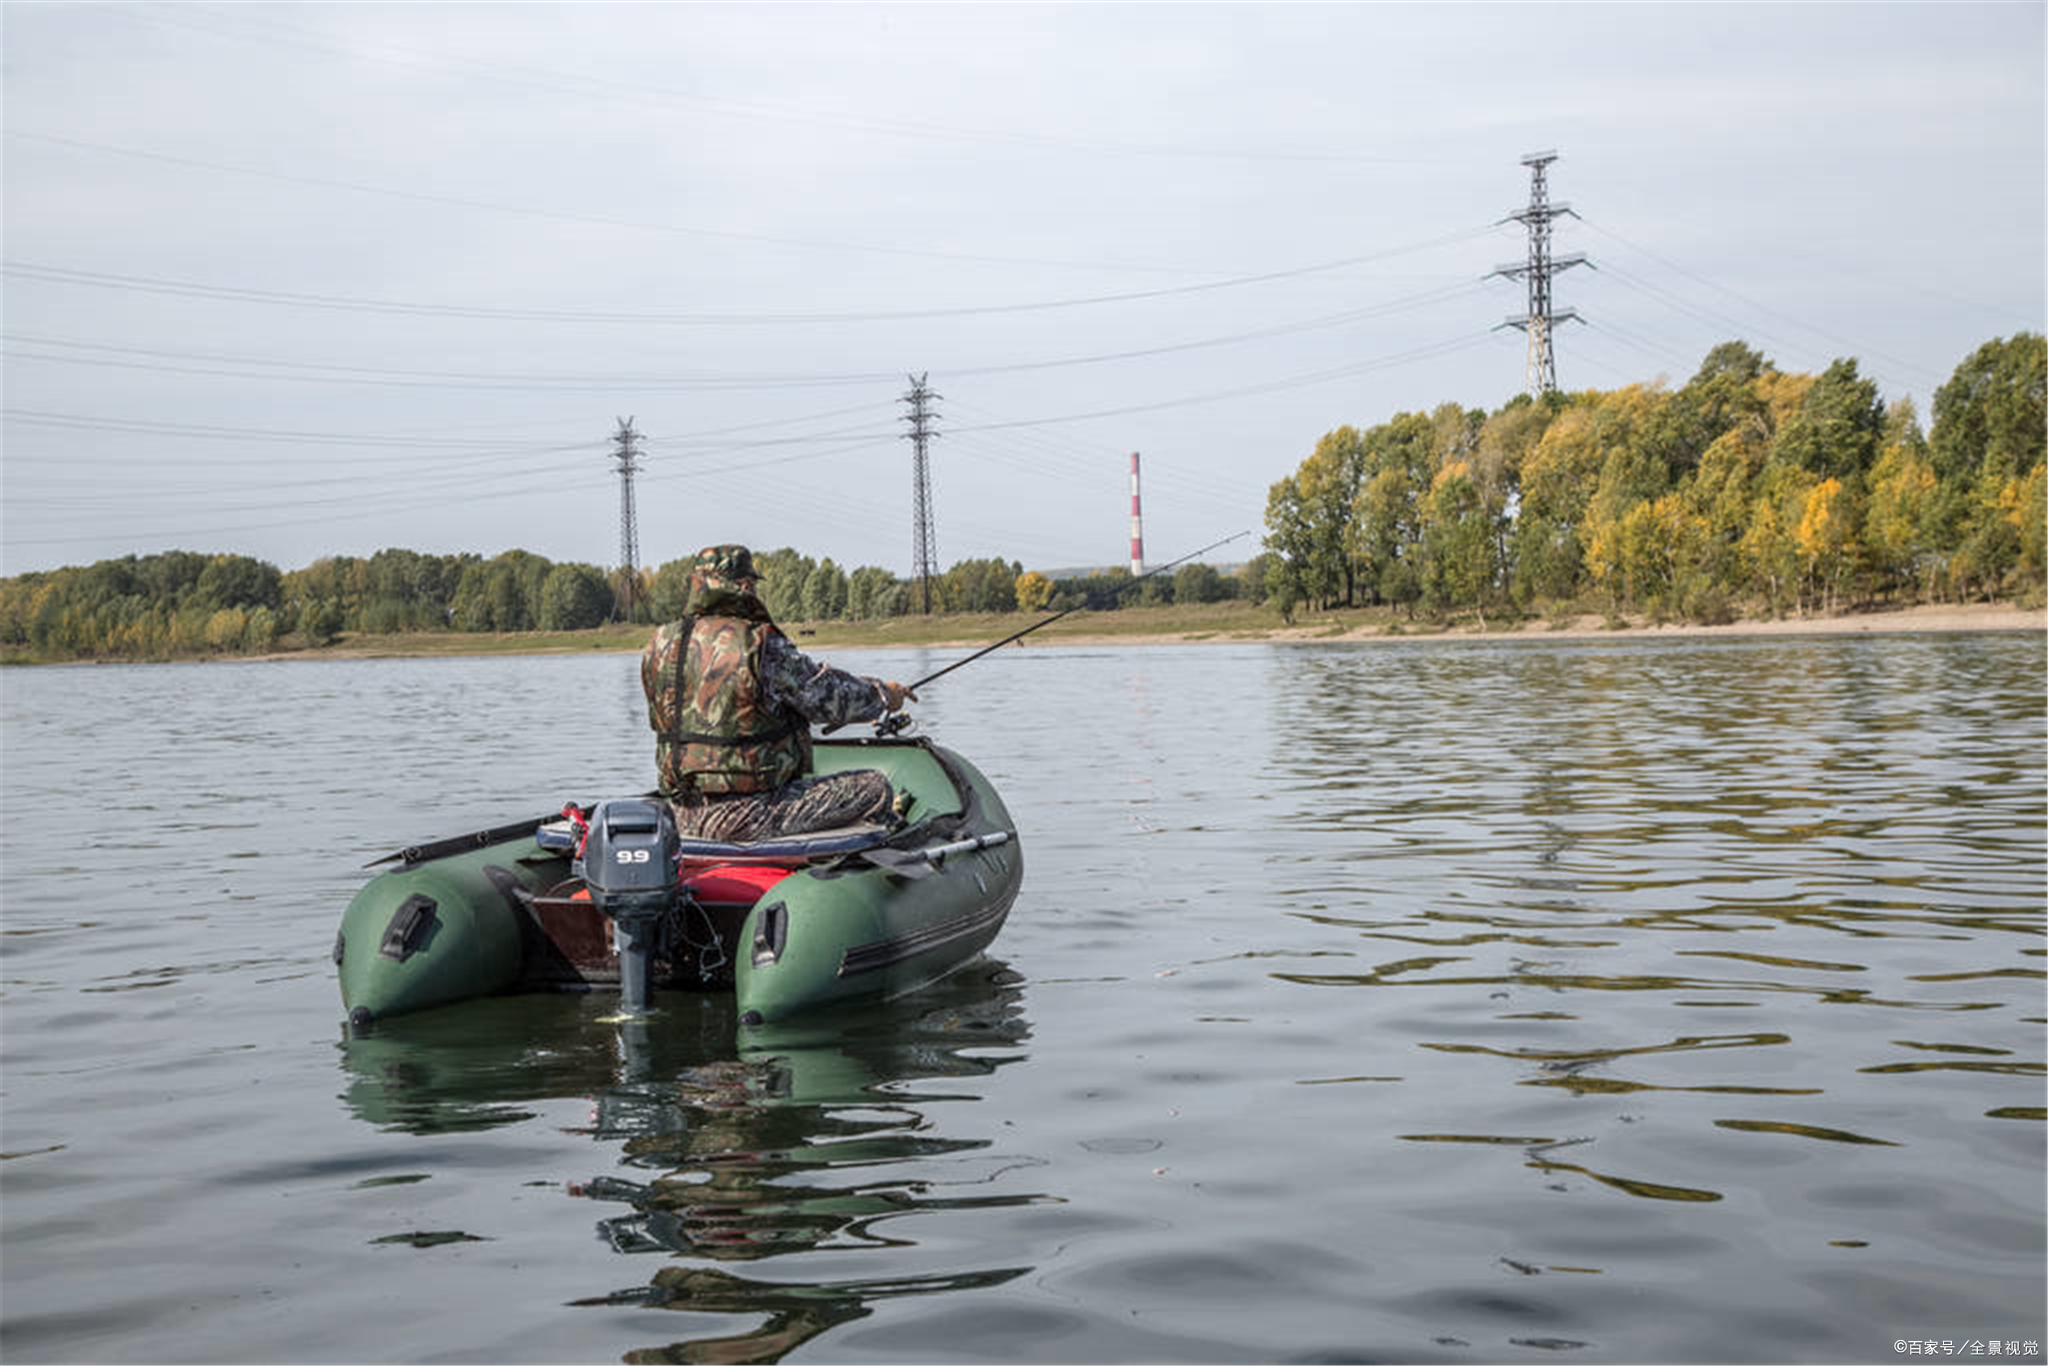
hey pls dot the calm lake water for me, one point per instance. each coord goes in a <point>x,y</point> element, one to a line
<point>1653,1001</point>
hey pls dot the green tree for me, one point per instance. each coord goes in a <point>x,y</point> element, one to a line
<point>574,597</point>
<point>1505,443</point>
<point>1253,576</point>
<point>17,607</point>
<point>320,620</point>
<point>1458,560</point>
<point>978,586</point>
<point>1326,485</point>
<point>403,590</point>
<point>1198,582</point>
<point>168,579</point>
<point>1993,411</point>
<point>237,581</point>
<point>1558,478</point>
<point>1723,394</point>
<point>825,591</point>
<point>1988,437</point>
<point>873,592</point>
<point>669,594</point>
<point>1834,435</point>
<point>1398,460</point>
<point>1721,496</point>
<point>1289,546</point>
<point>501,593</point>
<point>783,575</point>
<point>260,630</point>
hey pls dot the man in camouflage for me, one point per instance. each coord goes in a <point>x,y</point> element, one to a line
<point>732,702</point>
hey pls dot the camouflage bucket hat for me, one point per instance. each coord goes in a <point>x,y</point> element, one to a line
<point>722,581</point>
<point>724,566</point>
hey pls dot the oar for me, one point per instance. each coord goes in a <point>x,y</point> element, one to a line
<point>456,844</point>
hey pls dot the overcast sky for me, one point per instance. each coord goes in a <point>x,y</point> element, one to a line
<point>298,280</point>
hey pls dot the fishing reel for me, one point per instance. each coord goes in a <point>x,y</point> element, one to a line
<point>887,725</point>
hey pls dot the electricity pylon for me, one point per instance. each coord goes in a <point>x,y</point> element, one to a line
<point>1540,375</point>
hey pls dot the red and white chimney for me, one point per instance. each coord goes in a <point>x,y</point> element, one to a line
<point>1137,524</point>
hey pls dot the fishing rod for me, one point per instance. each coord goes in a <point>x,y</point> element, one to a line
<point>1040,625</point>
<point>890,725</point>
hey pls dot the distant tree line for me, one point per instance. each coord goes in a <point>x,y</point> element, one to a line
<point>1749,487</point>
<point>181,603</point>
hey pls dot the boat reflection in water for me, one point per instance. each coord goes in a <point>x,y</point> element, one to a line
<point>825,1133</point>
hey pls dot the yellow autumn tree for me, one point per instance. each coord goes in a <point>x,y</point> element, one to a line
<point>2025,504</point>
<point>1902,490</point>
<point>1558,478</point>
<point>1826,538</point>
<point>1770,553</point>
<point>1034,591</point>
<point>2034,525</point>
<point>1672,557</point>
<point>1783,396</point>
<point>1603,557</point>
<point>226,628</point>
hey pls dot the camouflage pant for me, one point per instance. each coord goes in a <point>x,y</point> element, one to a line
<point>797,807</point>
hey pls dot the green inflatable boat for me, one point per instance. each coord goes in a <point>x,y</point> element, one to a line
<point>612,898</point>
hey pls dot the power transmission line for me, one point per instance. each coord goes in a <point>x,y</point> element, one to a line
<point>1735,327</point>
<point>1442,348</point>
<point>611,89</point>
<point>610,381</point>
<point>49,274</point>
<point>598,220</point>
<point>46,418</point>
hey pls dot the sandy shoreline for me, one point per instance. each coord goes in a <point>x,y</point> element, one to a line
<point>1922,620</point>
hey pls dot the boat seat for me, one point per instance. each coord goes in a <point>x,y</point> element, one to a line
<point>733,884</point>
<point>786,849</point>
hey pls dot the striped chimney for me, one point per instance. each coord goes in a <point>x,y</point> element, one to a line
<point>1137,523</point>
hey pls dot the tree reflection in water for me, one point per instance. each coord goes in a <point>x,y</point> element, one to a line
<point>821,1135</point>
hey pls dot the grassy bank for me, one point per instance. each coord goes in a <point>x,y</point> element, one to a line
<point>1206,622</point>
<point>1212,622</point>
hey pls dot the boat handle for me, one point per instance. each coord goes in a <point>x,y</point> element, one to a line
<point>937,853</point>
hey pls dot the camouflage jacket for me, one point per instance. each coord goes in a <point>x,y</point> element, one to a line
<point>731,702</point>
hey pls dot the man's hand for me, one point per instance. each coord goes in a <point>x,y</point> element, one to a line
<point>894,695</point>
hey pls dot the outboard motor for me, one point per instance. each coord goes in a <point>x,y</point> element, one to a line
<point>631,861</point>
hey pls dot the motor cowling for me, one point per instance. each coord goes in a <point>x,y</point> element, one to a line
<point>631,860</point>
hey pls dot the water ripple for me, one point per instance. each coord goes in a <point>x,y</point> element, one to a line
<point>1617,1000</point>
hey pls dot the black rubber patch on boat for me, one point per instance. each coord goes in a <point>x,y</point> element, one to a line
<point>897,948</point>
<point>771,931</point>
<point>411,926</point>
